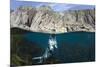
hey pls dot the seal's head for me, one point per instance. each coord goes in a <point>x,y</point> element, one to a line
<point>52,36</point>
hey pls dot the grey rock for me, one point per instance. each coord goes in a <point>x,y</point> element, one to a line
<point>44,19</point>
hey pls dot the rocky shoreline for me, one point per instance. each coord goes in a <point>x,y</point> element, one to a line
<point>45,19</point>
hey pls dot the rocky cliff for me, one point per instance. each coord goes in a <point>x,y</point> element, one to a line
<point>45,19</point>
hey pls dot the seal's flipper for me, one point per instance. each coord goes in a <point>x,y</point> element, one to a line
<point>38,58</point>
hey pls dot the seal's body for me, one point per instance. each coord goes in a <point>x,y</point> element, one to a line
<point>52,42</point>
<point>49,50</point>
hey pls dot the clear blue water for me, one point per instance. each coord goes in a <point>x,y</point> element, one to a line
<point>72,47</point>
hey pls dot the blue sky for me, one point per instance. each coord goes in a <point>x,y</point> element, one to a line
<point>56,6</point>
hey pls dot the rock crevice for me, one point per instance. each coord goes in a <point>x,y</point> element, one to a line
<point>44,19</point>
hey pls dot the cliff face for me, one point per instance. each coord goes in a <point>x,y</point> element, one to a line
<point>44,19</point>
